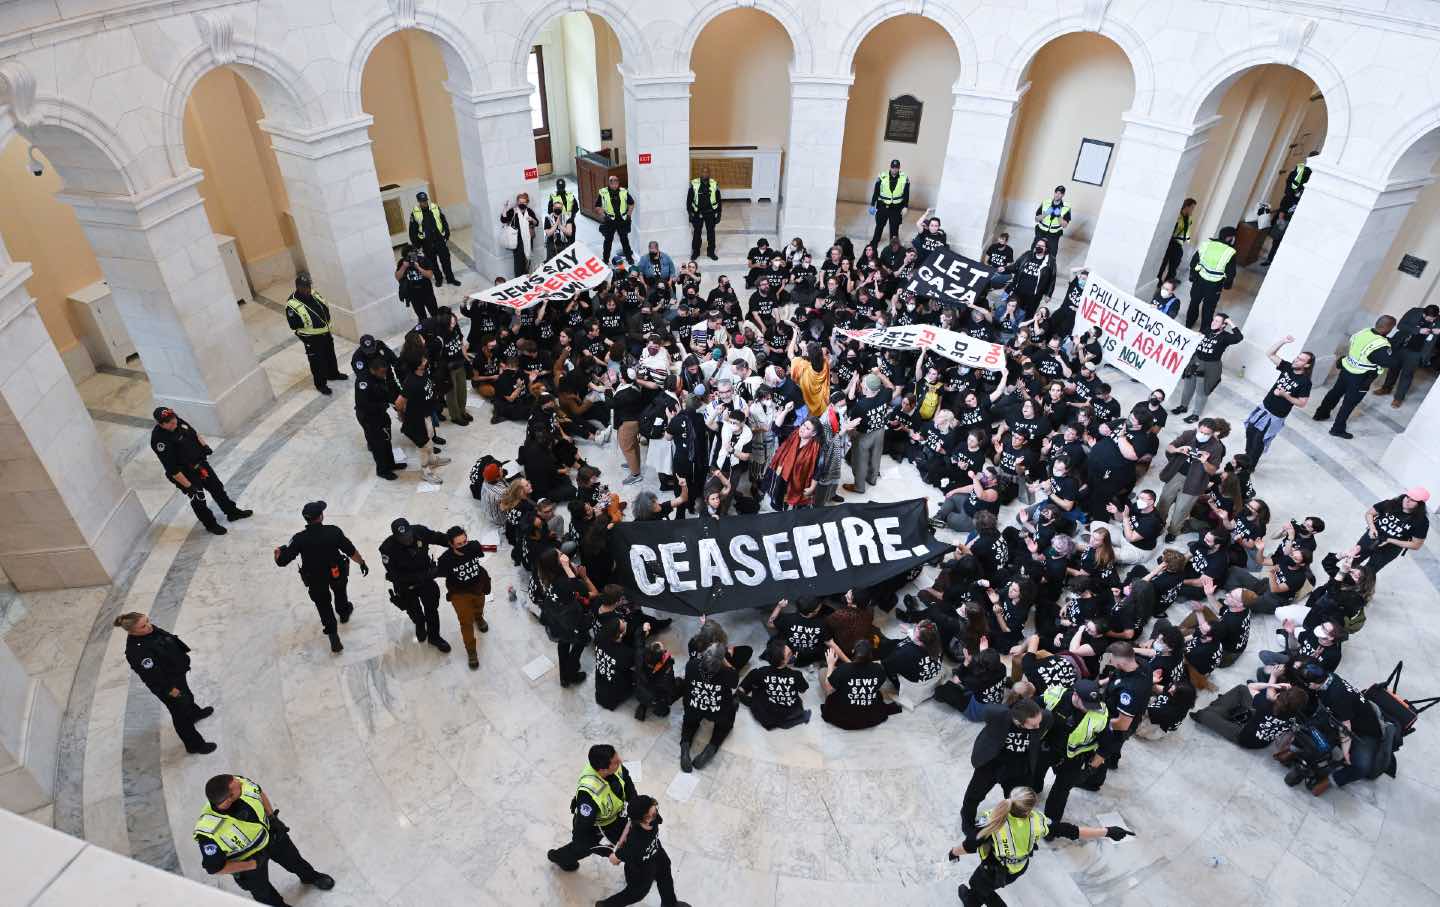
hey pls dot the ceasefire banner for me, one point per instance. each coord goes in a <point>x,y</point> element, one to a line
<point>951,277</point>
<point>709,566</point>
<point>1135,337</point>
<point>572,271</point>
<point>953,345</point>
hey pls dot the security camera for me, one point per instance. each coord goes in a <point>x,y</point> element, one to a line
<point>35,167</point>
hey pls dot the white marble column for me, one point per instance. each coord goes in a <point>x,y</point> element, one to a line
<point>1413,456</point>
<point>69,520</point>
<point>657,124</point>
<point>335,202</point>
<point>29,735</point>
<point>158,255</point>
<point>497,147</point>
<point>969,203</point>
<point>1331,253</point>
<point>812,159</point>
<point>1149,178</point>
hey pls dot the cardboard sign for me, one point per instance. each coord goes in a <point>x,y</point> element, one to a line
<point>1136,338</point>
<point>559,279</point>
<point>953,345</point>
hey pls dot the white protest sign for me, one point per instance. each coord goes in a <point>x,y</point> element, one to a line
<point>572,271</point>
<point>961,348</point>
<point>1135,337</point>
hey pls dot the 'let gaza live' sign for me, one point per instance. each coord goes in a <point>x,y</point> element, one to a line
<point>1135,337</point>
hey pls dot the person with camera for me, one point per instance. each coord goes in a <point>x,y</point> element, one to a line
<point>1359,727</point>
<point>186,458</point>
<point>431,232</point>
<point>1193,457</point>
<point>559,224</point>
<point>414,278</point>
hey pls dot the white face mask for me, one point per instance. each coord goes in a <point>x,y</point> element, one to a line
<point>1202,436</point>
<point>1165,294</point>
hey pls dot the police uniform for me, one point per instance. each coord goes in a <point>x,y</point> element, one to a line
<point>161,660</point>
<point>310,320</point>
<point>1212,269</point>
<point>616,205</point>
<point>408,567</point>
<point>371,348</point>
<point>325,555</point>
<point>430,233</point>
<point>373,399</point>
<point>1053,219</point>
<point>182,452</point>
<point>703,204</point>
<point>244,832</point>
<point>1128,694</point>
<point>889,198</point>
<point>1295,186</point>
<point>598,808</point>
<point>1075,739</point>
<point>1366,354</point>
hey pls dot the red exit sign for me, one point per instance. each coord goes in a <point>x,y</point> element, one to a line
<point>644,157</point>
<point>532,173</point>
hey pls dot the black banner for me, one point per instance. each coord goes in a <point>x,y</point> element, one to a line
<point>952,278</point>
<point>709,566</point>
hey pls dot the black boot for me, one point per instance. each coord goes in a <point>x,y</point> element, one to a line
<point>419,631</point>
<point>215,529</point>
<point>238,514</point>
<point>440,644</point>
<point>706,755</point>
<point>335,644</point>
<point>686,763</point>
<point>640,711</point>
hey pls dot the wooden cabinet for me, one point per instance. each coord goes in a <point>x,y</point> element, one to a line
<point>591,172</point>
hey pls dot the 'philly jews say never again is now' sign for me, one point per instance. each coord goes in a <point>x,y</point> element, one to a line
<point>572,271</point>
<point>1136,338</point>
<point>709,566</point>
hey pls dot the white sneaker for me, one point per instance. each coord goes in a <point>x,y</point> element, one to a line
<point>432,478</point>
<point>631,480</point>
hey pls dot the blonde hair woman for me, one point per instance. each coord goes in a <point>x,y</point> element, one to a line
<point>1009,833</point>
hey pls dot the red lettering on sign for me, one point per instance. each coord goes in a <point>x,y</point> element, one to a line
<point>532,173</point>
<point>643,157</point>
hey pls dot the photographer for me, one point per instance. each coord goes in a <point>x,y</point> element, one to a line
<point>416,289</point>
<point>559,227</point>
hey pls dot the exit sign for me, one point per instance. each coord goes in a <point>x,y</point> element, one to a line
<point>644,157</point>
<point>532,173</point>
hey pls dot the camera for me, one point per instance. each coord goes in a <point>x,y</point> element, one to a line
<point>34,165</point>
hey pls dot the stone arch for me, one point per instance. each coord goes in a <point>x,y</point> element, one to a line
<point>281,88</point>
<point>1210,88</point>
<point>633,47</point>
<point>1412,152</point>
<point>89,155</point>
<point>1131,44</point>
<point>462,61</point>
<point>940,14</point>
<point>789,19</point>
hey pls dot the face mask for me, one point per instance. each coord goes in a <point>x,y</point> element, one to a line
<point>1202,436</point>
<point>1159,647</point>
<point>1164,294</point>
<point>717,355</point>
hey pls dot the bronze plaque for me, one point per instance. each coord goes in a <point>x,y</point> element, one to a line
<point>902,119</point>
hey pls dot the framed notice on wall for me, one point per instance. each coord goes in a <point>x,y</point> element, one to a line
<point>1093,161</point>
<point>902,119</point>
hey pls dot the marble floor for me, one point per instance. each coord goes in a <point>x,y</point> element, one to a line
<point>413,780</point>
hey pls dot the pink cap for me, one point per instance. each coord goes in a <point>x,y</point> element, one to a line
<point>1418,494</point>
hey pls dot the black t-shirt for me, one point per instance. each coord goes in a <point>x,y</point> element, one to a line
<point>614,672</point>
<point>416,391</point>
<point>1263,728</point>
<point>1233,630</point>
<point>872,411</point>
<point>463,571</point>
<point>1394,523</point>
<point>1289,382</point>
<point>1048,672</point>
<point>857,686</point>
<point>1346,704</point>
<point>911,663</point>
<point>1148,526</point>
<point>1203,562</point>
<point>805,635</point>
<point>709,696</point>
<point>1213,344</point>
<point>773,693</point>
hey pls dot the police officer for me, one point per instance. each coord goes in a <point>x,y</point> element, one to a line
<point>1127,686</point>
<point>368,349</point>
<point>430,232</point>
<point>888,201</point>
<point>186,458</point>
<point>597,808</point>
<point>1051,219</point>
<point>615,205</point>
<point>408,567</point>
<point>162,661</point>
<point>703,204</point>
<point>1295,185</point>
<point>1179,236</point>
<point>569,205</point>
<point>325,554</point>
<point>1080,718</point>
<point>309,318</point>
<point>239,833</point>
<point>1212,269</point>
<point>1368,352</point>
<point>374,395</point>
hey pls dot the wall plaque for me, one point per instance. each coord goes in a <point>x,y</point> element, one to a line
<point>902,119</point>
<point>1413,266</point>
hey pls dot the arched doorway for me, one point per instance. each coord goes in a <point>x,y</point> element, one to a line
<point>740,122</point>
<point>900,108</point>
<point>1067,134</point>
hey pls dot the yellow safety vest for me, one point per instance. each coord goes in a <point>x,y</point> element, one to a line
<point>1362,346</point>
<point>1085,737</point>
<point>1014,842</point>
<point>610,804</point>
<point>609,208</point>
<point>714,192</point>
<point>419,217</point>
<point>1214,259</point>
<point>1182,228</point>
<point>307,328</point>
<point>1297,183</point>
<point>896,193</point>
<point>1053,223</point>
<point>239,839</point>
<point>567,202</point>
